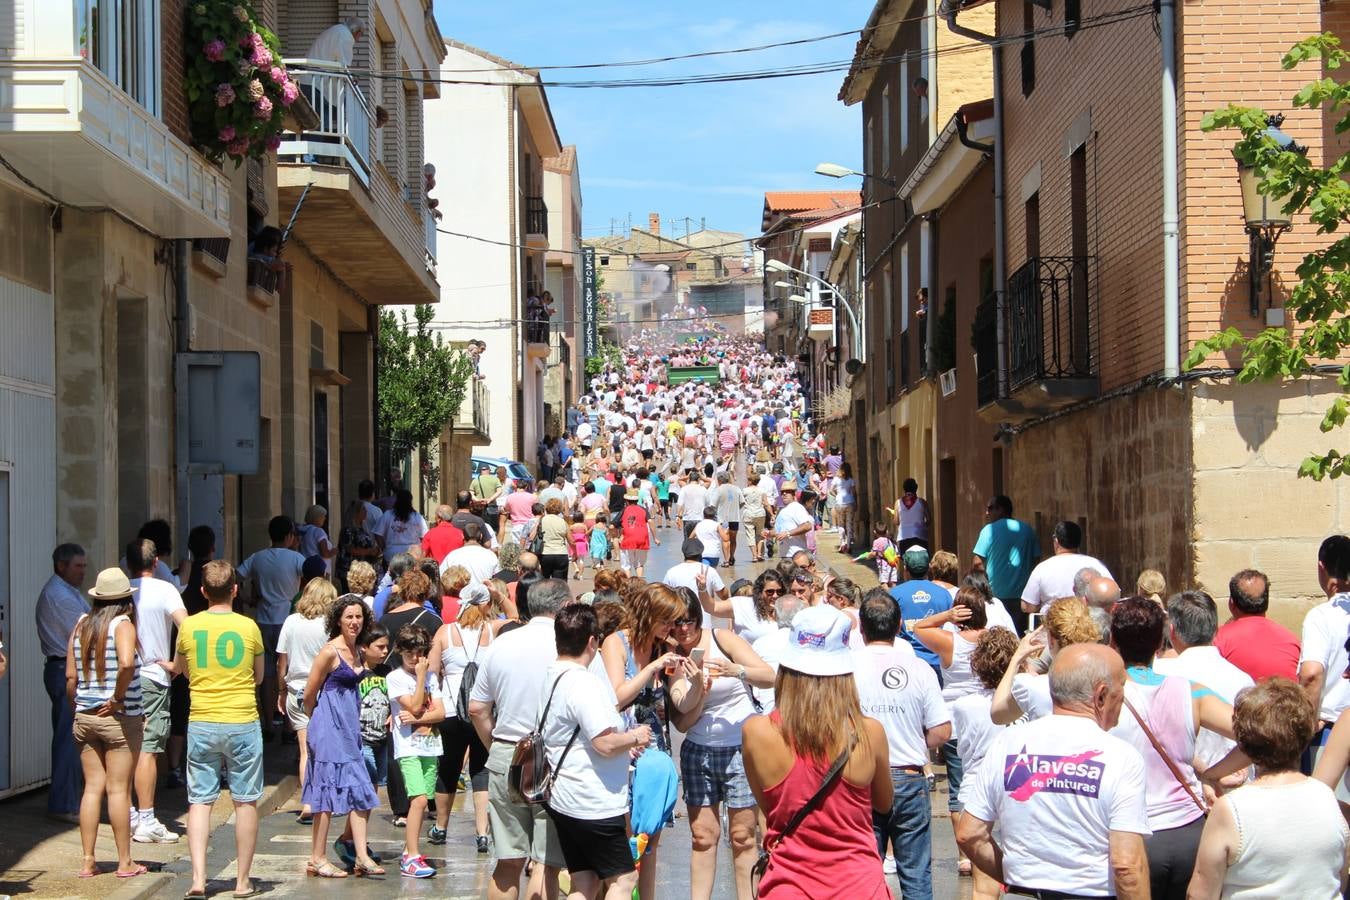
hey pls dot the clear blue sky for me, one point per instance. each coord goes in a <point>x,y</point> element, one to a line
<point>702,151</point>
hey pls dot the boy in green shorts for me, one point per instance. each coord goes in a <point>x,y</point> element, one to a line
<point>415,694</point>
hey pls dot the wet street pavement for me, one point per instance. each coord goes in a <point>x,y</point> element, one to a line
<point>283,846</point>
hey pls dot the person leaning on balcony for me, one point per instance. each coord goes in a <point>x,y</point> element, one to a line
<point>337,43</point>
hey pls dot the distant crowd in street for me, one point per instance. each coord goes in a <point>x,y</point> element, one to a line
<point>1098,737</point>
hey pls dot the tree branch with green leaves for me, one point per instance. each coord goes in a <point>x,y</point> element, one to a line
<point>1319,301</point>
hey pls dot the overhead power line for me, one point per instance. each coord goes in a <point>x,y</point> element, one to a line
<point>813,68</point>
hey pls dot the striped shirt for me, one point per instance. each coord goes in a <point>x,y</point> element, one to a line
<point>93,692</point>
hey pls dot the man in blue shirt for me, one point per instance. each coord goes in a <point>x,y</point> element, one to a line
<point>1006,552</point>
<point>919,598</point>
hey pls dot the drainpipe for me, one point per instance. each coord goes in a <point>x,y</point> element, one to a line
<point>963,134</point>
<point>1167,20</point>
<point>950,8</point>
<point>182,344</point>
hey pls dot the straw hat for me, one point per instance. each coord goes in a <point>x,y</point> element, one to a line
<point>112,584</point>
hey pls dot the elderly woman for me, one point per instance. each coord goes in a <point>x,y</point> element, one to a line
<point>1281,835</point>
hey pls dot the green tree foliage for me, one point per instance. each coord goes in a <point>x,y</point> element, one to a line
<point>422,379</point>
<point>1319,301</point>
<point>608,353</point>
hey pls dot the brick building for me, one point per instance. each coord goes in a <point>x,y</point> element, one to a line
<point>1074,414</point>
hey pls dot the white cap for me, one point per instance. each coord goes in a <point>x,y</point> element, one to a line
<point>818,642</point>
<point>475,593</point>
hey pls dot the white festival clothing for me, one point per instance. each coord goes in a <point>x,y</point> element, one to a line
<point>402,683</point>
<point>1052,579</point>
<point>509,675</point>
<point>1205,666</point>
<point>1324,631</point>
<point>156,602</point>
<point>901,691</point>
<point>588,785</point>
<point>1057,787</point>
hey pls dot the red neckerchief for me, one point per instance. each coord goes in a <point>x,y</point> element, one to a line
<point>909,500</point>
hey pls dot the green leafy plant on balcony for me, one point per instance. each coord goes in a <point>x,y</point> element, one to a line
<point>236,85</point>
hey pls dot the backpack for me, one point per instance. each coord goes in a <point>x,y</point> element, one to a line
<point>530,777</point>
<point>468,678</point>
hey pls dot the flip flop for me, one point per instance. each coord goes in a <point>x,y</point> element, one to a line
<point>195,895</point>
<point>139,870</point>
<point>251,892</point>
<point>88,874</point>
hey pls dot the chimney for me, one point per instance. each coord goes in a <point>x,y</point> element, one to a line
<point>654,223</point>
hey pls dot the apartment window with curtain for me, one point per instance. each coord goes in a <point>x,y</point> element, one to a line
<point>121,39</point>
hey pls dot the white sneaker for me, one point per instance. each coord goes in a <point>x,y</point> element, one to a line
<point>153,832</point>
<point>888,865</point>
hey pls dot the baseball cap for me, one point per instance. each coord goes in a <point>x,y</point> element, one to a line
<point>916,560</point>
<point>818,642</point>
<point>475,593</point>
<point>692,548</point>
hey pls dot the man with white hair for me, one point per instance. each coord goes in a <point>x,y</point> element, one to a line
<point>771,646</point>
<point>337,43</point>
<point>1068,797</point>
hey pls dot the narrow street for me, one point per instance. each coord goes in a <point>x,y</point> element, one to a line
<point>463,874</point>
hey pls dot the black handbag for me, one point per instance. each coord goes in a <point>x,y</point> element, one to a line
<point>835,771</point>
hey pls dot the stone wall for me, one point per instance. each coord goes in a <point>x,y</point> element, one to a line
<point>1121,468</point>
<point>1251,510</point>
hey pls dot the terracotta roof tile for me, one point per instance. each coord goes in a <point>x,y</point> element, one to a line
<point>796,201</point>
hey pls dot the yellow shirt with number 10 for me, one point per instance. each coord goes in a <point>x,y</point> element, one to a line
<point>220,649</point>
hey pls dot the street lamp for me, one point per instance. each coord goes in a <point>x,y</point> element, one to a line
<point>1265,217</point>
<point>777,265</point>
<point>834,170</point>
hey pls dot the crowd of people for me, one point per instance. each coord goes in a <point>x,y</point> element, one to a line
<point>1093,744</point>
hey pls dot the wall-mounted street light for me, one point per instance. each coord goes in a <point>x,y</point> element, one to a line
<point>1265,217</point>
<point>834,170</point>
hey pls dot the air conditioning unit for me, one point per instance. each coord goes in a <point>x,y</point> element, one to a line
<point>947,381</point>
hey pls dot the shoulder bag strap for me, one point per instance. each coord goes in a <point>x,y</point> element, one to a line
<point>543,716</point>
<point>476,644</point>
<point>836,769</point>
<point>1166,758</point>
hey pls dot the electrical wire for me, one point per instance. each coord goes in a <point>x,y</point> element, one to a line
<point>701,54</point>
<point>806,226</point>
<point>804,69</point>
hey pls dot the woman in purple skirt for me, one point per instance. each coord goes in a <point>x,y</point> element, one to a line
<point>336,781</point>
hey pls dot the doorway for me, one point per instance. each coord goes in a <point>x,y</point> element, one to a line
<point>947,505</point>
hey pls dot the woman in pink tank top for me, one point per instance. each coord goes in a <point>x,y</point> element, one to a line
<point>788,755</point>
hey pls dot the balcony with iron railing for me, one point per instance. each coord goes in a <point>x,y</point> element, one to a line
<point>349,209</point>
<point>1049,340</point>
<point>536,223</point>
<point>262,281</point>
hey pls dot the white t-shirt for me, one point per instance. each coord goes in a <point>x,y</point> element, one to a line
<point>1204,665</point>
<point>746,621</point>
<point>1032,693</point>
<point>1052,578</point>
<point>1166,703</point>
<point>1324,631</point>
<point>794,515</point>
<point>769,647</point>
<point>588,785</point>
<point>1058,787</point>
<point>398,534</point>
<point>373,516</point>
<point>278,573</point>
<point>311,539</point>
<point>684,574</point>
<point>995,614</point>
<point>973,730</point>
<point>693,497</point>
<point>708,531</point>
<point>301,640</point>
<point>510,671</point>
<point>402,683</point>
<point>481,562</point>
<point>156,602</point>
<point>901,691</point>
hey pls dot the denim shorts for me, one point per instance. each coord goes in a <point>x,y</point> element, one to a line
<point>217,748</point>
<point>377,762</point>
<point>713,775</point>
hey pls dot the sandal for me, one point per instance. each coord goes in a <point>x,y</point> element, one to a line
<point>305,819</point>
<point>139,870</point>
<point>325,870</point>
<point>251,892</point>
<point>195,894</point>
<point>369,867</point>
